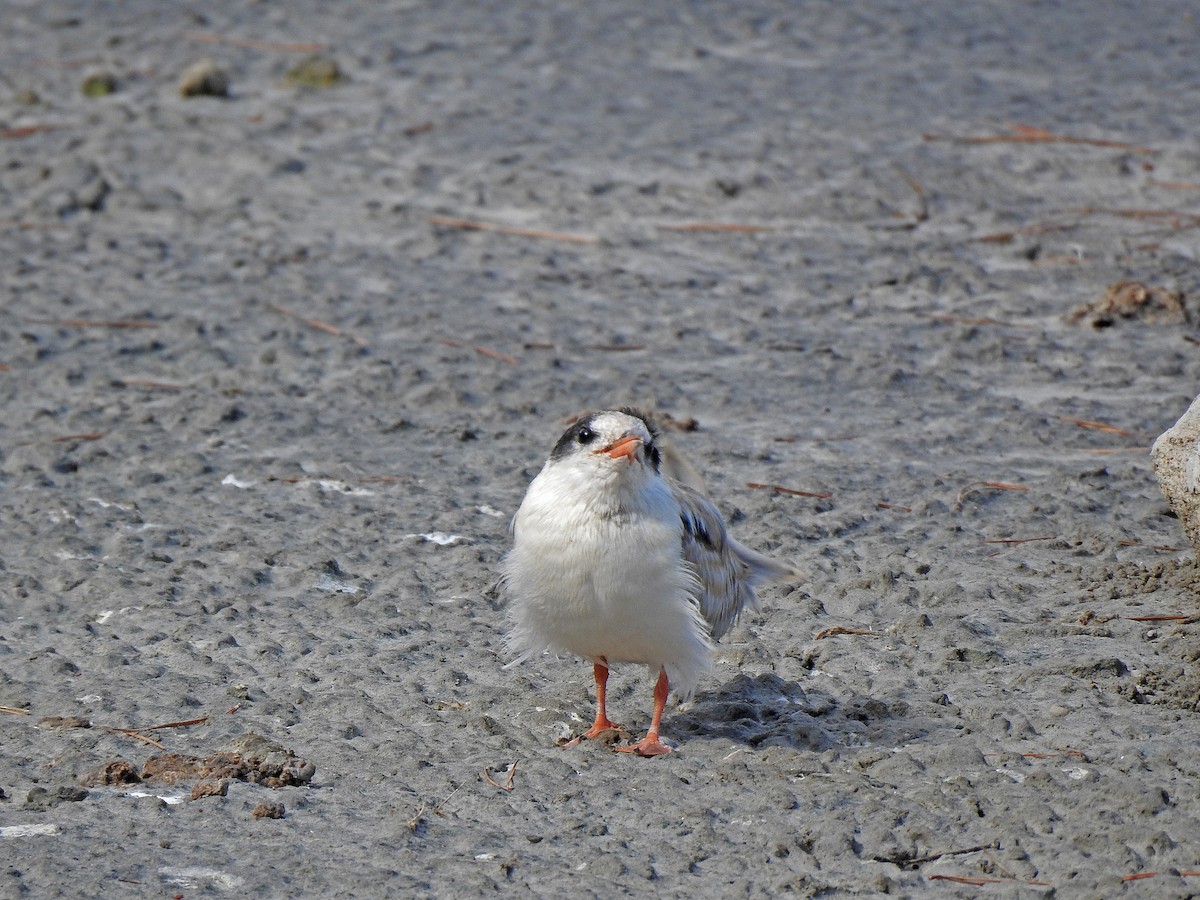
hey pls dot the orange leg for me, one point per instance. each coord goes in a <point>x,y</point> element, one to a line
<point>603,725</point>
<point>650,745</point>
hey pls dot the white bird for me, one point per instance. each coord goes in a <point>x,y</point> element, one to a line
<point>616,559</point>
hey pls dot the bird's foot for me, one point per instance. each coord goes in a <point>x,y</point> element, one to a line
<point>650,745</point>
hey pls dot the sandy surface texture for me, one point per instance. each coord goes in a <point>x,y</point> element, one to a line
<point>924,276</point>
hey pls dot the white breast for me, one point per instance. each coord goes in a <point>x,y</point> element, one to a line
<point>605,581</point>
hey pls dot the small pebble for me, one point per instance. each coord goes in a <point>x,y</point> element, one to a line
<point>99,84</point>
<point>315,72</point>
<point>204,78</point>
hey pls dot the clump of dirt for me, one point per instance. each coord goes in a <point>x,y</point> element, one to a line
<point>116,772</point>
<point>218,787</point>
<point>252,759</point>
<point>268,810</point>
<point>1125,300</point>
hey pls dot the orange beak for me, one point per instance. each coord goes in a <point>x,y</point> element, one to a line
<point>626,447</point>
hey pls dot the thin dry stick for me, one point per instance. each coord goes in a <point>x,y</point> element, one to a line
<point>960,320</point>
<point>14,711</point>
<point>1174,185</point>
<point>1160,618</point>
<point>496,354</point>
<point>922,213</point>
<point>842,629</point>
<point>66,438</point>
<point>882,504</point>
<point>184,724</point>
<point>1004,237</point>
<point>508,785</point>
<point>251,43</point>
<point>96,323</point>
<point>1098,426</point>
<point>136,735</point>
<point>976,881</point>
<point>23,131</point>
<point>153,385</point>
<point>1019,540</point>
<point>317,323</point>
<point>976,485</point>
<point>1027,134</point>
<point>415,822</point>
<point>473,225</point>
<point>780,489</point>
<point>1179,219</point>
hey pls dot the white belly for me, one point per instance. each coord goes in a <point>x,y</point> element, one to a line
<point>606,586</point>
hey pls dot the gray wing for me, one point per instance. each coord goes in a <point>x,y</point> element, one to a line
<point>728,573</point>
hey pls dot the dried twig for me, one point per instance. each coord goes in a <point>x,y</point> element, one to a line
<point>842,629</point>
<point>883,504</point>
<point>1019,540</point>
<point>317,323</point>
<point>474,225</point>
<point>508,780</point>
<point>1174,185</point>
<point>23,131</point>
<point>977,881</point>
<point>496,354</point>
<point>1004,237</point>
<point>66,438</point>
<point>1161,618</point>
<point>780,489</point>
<point>148,383</point>
<point>14,711</point>
<point>137,735</point>
<point>1099,426</point>
<point>96,323</point>
<point>960,320</point>
<point>182,724</point>
<point>1027,134</point>
<point>437,809</point>
<point>1178,218</point>
<point>976,485</point>
<point>252,43</point>
<point>922,213</point>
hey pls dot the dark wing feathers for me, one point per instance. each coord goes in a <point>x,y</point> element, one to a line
<point>727,573</point>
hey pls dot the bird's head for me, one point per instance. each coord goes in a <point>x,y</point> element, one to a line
<point>617,443</point>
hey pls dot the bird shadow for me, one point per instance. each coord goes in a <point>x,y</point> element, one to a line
<point>766,710</point>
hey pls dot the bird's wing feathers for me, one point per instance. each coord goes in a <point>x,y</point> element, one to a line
<point>726,571</point>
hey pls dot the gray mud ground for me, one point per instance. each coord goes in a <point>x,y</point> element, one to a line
<point>223,513</point>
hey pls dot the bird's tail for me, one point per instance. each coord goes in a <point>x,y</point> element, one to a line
<point>762,568</point>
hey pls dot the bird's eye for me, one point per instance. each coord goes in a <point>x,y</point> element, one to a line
<point>585,435</point>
